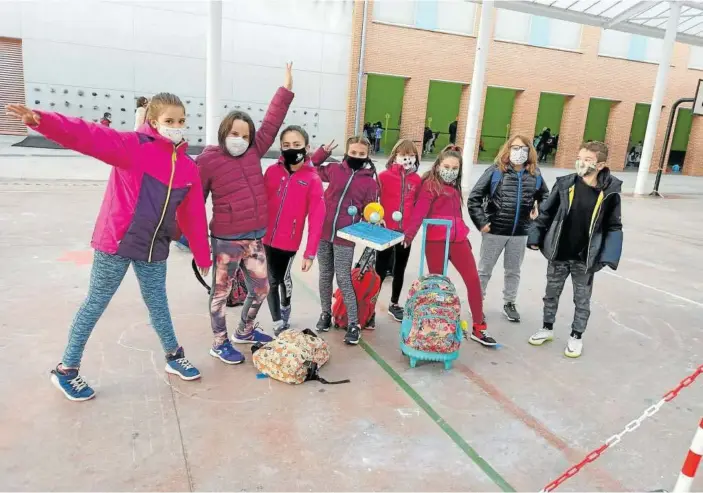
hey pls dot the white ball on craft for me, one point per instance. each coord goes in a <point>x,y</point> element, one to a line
<point>397,216</point>
<point>375,218</point>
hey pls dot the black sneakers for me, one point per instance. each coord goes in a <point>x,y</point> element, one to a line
<point>353,335</point>
<point>325,322</point>
<point>511,312</point>
<point>395,311</point>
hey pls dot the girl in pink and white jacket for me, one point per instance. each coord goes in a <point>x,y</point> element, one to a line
<point>153,186</point>
<point>294,192</point>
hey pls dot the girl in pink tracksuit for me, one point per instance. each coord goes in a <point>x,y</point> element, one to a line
<point>294,192</point>
<point>153,186</point>
<point>440,198</point>
<point>231,172</point>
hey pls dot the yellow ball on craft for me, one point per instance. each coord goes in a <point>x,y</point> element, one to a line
<point>373,207</point>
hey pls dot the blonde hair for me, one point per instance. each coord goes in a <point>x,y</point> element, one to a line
<point>503,158</point>
<point>403,146</point>
<point>432,178</point>
<point>159,102</point>
<point>358,139</point>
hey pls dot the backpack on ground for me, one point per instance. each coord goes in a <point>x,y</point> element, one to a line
<point>431,327</point>
<point>498,175</point>
<point>239,287</point>
<point>367,285</point>
<point>294,357</point>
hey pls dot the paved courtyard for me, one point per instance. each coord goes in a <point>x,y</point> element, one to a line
<point>513,418</point>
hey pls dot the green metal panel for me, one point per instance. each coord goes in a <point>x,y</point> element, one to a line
<point>550,112</point>
<point>442,108</point>
<point>384,103</point>
<point>597,119</point>
<point>683,130</point>
<point>497,114</point>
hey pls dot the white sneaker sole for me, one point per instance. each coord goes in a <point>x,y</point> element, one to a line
<point>572,355</point>
<point>55,381</point>
<point>227,362</point>
<point>539,342</point>
<point>394,317</point>
<point>182,377</point>
<point>511,319</point>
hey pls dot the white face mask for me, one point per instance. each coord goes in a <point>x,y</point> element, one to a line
<point>407,162</point>
<point>448,175</point>
<point>584,168</point>
<point>236,146</point>
<point>519,156</point>
<point>173,134</point>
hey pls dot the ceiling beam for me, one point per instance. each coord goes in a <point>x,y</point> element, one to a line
<point>592,20</point>
<point>627,14</point>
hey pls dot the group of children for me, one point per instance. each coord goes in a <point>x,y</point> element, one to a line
<point>156,191</point>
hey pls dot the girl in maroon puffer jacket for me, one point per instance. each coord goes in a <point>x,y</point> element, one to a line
<point>352,186</point>
<point>232,172</point>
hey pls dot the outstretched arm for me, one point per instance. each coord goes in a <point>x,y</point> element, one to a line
<point>104,143</point>
<point>275,114</point>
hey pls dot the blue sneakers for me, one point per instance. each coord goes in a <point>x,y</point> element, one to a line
<point>253,337</point>
<point>73,386</point>
<point>227,354</point>
<point>177,364</point>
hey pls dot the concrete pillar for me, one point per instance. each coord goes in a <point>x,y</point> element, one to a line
<point>525,113</point>
<point>412,123</point>
<point>658,97</point>
<point>618,133</point>
<point>573,124</point>
<point>213,72</point>
<point>475,101</point>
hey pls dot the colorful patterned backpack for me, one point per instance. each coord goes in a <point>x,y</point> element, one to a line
<point>294,357</point>
<point>431,328</point>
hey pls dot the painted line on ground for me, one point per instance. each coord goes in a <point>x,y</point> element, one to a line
<point>658,290</point>
<point>492,474</point>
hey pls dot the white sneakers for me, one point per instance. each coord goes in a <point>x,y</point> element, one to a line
<point>573,349</point>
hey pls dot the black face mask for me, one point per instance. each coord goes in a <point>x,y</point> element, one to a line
<point>291,157</point>
<point>355,163</point>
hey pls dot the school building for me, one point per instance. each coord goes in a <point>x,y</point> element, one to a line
<point>583,82</point>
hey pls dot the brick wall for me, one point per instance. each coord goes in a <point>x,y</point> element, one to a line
<point>421,56</point>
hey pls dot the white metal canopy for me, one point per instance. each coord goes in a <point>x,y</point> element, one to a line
<point>647,18</point>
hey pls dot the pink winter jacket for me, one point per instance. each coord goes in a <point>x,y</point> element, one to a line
<point>292,198</point>
<point>237,183</point>
<point>446,205</point>
<point>153,190</point>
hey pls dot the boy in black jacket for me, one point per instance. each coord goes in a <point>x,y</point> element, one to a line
<point>579,231</point>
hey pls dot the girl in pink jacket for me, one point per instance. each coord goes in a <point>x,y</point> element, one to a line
<point>440,198</point>
<point>294,192</point>
<point>231,172</point>
<point>153,186</point>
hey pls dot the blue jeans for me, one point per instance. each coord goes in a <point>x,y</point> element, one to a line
<point>105,278</point>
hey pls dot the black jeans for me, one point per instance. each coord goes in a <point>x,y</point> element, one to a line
<point>383,261</point>
<point>280,283</point>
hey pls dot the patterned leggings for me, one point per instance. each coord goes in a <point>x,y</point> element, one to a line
<point>105,277</point>
<point>337,259</point>
<point>227,255</point>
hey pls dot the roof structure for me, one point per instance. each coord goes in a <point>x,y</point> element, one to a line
<point>644,17</point>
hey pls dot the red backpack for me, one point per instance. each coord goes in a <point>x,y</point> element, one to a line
<point>367,285</point>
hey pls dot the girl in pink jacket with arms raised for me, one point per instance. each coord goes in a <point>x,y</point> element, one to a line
<point>294,192</point>
<point>153,186</point>
<point>440,198</point>
<point>231,172</point>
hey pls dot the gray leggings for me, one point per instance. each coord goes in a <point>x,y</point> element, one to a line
<point>337,259</point>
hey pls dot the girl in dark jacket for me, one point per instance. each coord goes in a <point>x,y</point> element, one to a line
<point>501,205</point>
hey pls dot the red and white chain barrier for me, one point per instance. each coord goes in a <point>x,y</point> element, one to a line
<point>690,465</point>
<point>631,426</point>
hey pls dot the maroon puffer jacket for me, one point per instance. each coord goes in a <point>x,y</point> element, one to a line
<point>346,188</point>
<point>237,183</point>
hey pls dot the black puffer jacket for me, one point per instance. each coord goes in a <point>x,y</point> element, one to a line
<point>605,238</point>
<point>508,208</point>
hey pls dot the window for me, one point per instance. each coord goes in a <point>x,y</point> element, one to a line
<point>630,46</point>
<point>454,16</point>
<point>695,58</point>
<point>536,30</point>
